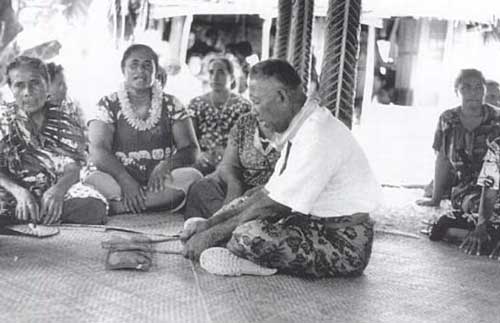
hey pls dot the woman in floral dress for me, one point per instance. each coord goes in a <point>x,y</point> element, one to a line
<point>248,162</point>
<point>216,112</point>
<point>41,152</point>
<point>461,141</point>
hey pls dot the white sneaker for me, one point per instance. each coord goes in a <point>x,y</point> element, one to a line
<point>221,261</point>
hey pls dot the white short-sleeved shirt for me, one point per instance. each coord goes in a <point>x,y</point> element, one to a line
<point>322,170</point>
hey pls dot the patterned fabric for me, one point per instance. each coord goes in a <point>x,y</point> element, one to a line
<point>475,155</point>
<point>465,149</point>
<point>214,123</point>
<point>467,221</point>
<point>37,159</point>
<point>75,111</point>
<point>140,151</point>
<point>256,160</point>
<point>305,245</point>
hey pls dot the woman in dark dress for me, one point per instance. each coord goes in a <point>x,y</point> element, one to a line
<point>142,141</point>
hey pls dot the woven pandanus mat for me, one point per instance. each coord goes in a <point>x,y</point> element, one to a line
<point>407,280</point>
<point>62,279</point>
<point>159,222</point>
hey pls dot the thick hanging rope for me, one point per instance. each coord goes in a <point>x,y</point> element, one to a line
<point>338,72</point>
<point>300,41</point>
<point>283,29</point>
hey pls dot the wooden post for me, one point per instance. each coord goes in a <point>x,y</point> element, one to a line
<point>115,23</point>
<point>185,38</point>
<point>370,67</point>
<point>266,34</point>
<point>123,16</point>
<point>176,34</point>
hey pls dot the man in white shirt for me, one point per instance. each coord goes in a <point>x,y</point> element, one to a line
<point>312,217</point>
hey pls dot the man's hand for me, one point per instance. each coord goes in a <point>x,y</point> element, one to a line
<point>134,197</point>
<point>475,240</point>
<point>27,208</point>
<point>193,226</point>
<point>205,163</point>
<point>52,205</point>
<point>159,175</point>
<point>197,243</point>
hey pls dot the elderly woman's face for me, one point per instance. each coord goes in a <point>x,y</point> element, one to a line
<point>139,69</point>
<point>219,76</point>
<point>471,91</point>
<point>29,87</point>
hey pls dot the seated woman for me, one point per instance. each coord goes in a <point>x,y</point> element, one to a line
<point>216,112</point>
<point>41,150</point>
<point>141,141</point>
<point>460,142</point>
<point>58,93</point>
<point>482,231</point>
<point>248,162</point>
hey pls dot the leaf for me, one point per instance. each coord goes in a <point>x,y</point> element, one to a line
<point>338,73</point>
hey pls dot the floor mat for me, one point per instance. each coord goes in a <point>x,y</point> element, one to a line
<point>62,279</point>
<point>398,211</point>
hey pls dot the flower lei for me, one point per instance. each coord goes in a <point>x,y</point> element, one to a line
<point>154,112</point>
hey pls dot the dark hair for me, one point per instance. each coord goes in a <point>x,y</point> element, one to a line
<point>136,47</point>
<point>229,66</point>
<point>492,83</point>
<point>281,70</point>
<point>35,63</point>
<point>469,72</point>
<point>212,32</point>
<point>54,69</point>
<point>243,48</point>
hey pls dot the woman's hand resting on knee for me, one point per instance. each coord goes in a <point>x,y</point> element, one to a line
<point>159,175</point>
<point>134,197</point>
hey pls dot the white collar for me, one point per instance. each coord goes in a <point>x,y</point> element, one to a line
<point>280,139</point>
<point>257,143</point>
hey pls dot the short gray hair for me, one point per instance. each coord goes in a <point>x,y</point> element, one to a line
<point>281,70</point>
<point>35,63</point>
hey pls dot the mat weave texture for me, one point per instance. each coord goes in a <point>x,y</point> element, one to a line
<point>62,279</point>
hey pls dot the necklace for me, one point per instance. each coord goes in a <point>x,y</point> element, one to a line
<point>223,105</point>
<point>154,112</point>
